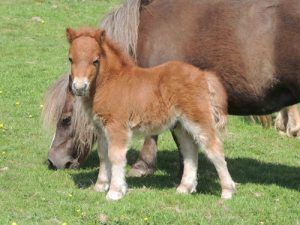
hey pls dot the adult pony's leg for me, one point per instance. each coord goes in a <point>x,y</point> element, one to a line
<point>146,162</point>
<point>104,175</point>
<point>288,121</point>
<point>189,151</point>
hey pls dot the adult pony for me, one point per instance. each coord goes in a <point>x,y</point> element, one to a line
<point>253,46</point>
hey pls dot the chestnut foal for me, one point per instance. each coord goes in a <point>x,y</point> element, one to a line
<point>123,99</point>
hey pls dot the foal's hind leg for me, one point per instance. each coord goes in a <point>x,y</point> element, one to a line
<point>189,152</point>
<point>213,149</point>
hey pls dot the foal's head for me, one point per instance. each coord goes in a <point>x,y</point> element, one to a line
<point>84,55</point>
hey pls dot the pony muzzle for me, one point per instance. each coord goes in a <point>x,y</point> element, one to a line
<point>80,87</point>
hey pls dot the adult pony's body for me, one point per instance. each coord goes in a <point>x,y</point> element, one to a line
<point>253,47</point>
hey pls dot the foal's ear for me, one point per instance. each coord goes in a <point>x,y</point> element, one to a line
<point>71,34</point>
<point>100,35</point>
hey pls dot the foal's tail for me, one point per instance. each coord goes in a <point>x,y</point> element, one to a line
<point>122,25</point>
<point>218,99</point>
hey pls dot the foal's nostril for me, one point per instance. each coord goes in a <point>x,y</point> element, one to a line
<point>68,165</point>
<point>51,165</point>
<point>80,88</point>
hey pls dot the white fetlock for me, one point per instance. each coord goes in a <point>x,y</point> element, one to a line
<point>185,189</point>
<point>101,187</point>
<point>113,195</point>
<point>228,193</point>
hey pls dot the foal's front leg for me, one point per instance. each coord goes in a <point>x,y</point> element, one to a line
<point>104,175</point>
<point>117,149</point>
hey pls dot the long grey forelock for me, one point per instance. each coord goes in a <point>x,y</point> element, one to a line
<point>82,127</point>
<point>54,101</point>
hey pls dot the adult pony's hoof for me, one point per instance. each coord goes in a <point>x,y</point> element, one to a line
<point>139,169</point>
<point>101,187</point>
<point>185,189</point>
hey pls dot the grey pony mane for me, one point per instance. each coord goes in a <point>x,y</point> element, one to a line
<point>122,25</point>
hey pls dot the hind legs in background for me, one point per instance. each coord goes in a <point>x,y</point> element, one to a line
<point>288,121</point>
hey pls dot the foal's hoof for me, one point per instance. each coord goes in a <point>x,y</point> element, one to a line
<point>114,195</point>
<point>101,187</point>
<point>184,189</point>
<point>227,193</point>
<point>140,169</point>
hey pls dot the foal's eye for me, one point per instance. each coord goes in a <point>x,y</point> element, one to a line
<point>96,62</point>
<point>66,121</point>
<point>71,60</point>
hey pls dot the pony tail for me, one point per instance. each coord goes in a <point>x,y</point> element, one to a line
<point>218,99</point>
<point>122,25</point>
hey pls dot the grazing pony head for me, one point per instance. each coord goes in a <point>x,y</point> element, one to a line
<point>74,136</point>
<point>85,64</point>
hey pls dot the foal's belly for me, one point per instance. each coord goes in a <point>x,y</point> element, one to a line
<point>145,127</point>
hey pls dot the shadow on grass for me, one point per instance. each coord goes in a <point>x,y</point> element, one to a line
<point>243,170</point>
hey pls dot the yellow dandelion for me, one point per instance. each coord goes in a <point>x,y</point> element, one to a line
<point>1,126</point>
<point>146,219</point>
<point>17,103</point>
<point>41,106</point>
<point>1,92</point>
<point>64,224</point>
<point>78,210</point>
<point>13,223</point>
<point>30,116</point>
<point>70,195</point>
<point>3,153</point>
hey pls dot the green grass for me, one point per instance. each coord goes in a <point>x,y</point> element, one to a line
<point>33,54</point>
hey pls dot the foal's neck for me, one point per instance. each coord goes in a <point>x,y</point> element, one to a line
<point>114,61</point>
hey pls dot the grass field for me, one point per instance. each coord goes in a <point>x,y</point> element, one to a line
<point>33,53</point>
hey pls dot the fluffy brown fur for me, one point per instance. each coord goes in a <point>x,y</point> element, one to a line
<point>123,99</point>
